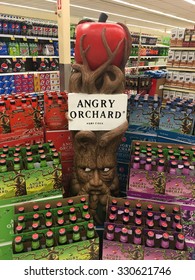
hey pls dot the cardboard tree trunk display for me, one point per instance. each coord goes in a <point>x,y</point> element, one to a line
<point>101,53</point>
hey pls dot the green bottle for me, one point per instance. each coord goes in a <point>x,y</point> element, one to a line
<point>90,231</point>
<point>72,212</point>
<point>48,217</point>
<point>35,244</point>
<point>21,221</point>
<point>49,239</point>
<point>3,166</point>
<point>62,239</point>
<point>43,162</point>
<point>76,236</point>
<point>36,218</point>
<point>17,164</point>
<point>56,160</point>
<point>30,164</point>
<point>60,214</point>
<point>85,210</point>
<point>18,244</point>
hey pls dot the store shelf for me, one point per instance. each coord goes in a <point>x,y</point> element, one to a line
<point>181,69</point>
<point>152,46</point>
<point>146,66</point>
<point>147,57</point>
<point>29,72</point>
<point>182,48</point>
<point>179,89</point>
<point>28,56</point>
<point>27,37</point>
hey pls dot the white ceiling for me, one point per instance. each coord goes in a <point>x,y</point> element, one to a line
<point>179,8</point>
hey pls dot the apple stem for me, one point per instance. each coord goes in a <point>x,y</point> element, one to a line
<point>103,17</point>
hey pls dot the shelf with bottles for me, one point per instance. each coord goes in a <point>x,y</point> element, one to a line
<point>15,26</point>
<point>179,89</point>
<point>28,72</point>
<point>29,82</point>
<point>182,48</point>
<point>148,51</point>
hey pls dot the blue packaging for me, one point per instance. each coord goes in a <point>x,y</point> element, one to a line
<point>17,28</point>
<point>3,48</point>
<point>11,27</point>
<point>2,90</point>
<point>11,90</point>
<point>2,84</point>
<point>5,26</point>
<point>56,49</point>
<point>2,78</point>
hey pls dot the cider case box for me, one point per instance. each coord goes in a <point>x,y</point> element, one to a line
<point>62,140</point>
<point>84,249</point>
<point>55,109</point>
<point>156,182</point>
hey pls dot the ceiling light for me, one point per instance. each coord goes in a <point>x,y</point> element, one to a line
<point>26,7</point>
<point>52,1</point>
<point>109,13</point>
<point>160,30</point>
<point>155,11</point>
<point>190,1</point>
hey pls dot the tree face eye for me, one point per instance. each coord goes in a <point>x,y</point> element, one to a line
<point>87,169</point>
<point>106,169</point>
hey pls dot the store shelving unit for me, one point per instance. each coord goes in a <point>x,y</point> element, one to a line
<point>179,89</point>
<point>187,70</point>
<point>136,61</point>
<point>29,72</point>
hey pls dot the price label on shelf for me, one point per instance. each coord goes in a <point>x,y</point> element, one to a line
<point>24,39</point>
<point>51,41</point>
<point>42,58</point>
<point>36,40</point>
<point>14,59</point>
<point>24,58</point>
<point>12,38</point>
<point>34,58</point>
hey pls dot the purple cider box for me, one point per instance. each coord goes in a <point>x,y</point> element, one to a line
<point>180,185</point>
<point>146,181</point>
<point>115,250</point>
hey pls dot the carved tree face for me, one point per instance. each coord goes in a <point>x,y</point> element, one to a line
<point>95,170</point>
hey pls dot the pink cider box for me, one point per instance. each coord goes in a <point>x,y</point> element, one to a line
<point>117,249</point>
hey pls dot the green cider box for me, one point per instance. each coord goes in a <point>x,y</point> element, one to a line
<point>26,181</point>
<point>83,249</point>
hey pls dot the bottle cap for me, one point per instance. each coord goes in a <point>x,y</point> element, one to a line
<point>76,229</point>
<point>110,227</point>
<point>49,234</point>
<point>35,236</point>
<point>90,226</point>
<point>62,231</point>
<point>18,239</point>
<point>35,207</point>
<point>124,230</point>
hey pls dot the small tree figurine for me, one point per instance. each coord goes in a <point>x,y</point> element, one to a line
<point>101,53</point>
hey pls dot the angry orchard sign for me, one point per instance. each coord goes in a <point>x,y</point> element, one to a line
<point>96,111</point>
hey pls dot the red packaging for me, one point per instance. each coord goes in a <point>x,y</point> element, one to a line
<point>62,140</point>
<point>25,88</point>
<point>56,106</point>
<point>18,89</point>
<point>18,82</point>
<point>22,137</point>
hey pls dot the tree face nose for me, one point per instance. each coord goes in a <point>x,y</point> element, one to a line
<point>95,180</point>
